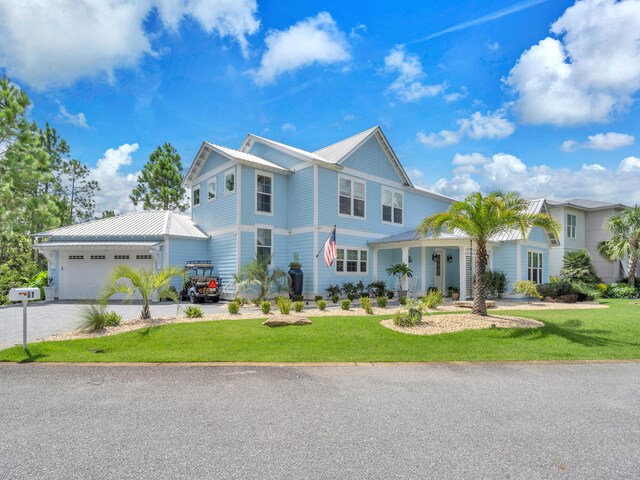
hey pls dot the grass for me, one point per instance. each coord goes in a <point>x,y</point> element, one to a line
<point>567,335</point>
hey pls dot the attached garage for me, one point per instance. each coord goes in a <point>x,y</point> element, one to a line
<point>81,257</point>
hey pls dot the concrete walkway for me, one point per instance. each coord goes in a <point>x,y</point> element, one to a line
<point>48,318</point>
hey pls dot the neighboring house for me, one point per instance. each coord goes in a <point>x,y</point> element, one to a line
<point>582,228</point>
<point>268,198</point>
<point>81,256</point>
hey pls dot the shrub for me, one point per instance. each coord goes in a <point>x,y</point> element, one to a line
<point>317,297</point>
<point>265,307</point>
<point>365,302</point>
<point>233,307</point>
<point>284,304</point>
<point>322,304</point>
<point>404,319</point>
<point>554,289</point>
<point>495,283</point>
<point>297,298</point>
<point>193,311</point>
<point>242,301</point>
<point>568,298</point>
<point>390,294</point>
<point>335,298</point>
<point>433,299</point>
<point>333,291</point>
<point>381,301</point>
<point>349,289</point>
<point>414,308</point>
<point>96,317</point>
<point>602,288</point>
<point>298,306</point>
<point>528,288</point>
<point>345,304</point>
<point>402,300</point>
<point>622,290</point>
<point>351,296</point>
<point>577,267</point>
<point>360,289</point>
<point>377,289</point>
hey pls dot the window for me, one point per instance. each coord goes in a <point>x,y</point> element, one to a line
<point>571,226</point>
<point>229,182</point>
<point>392,203</point>
<point>121,257</point>
<point>263,243</point>
<point>351,260</point>
<point>534,267</point>
<point>212,189</point>
<point>264,184</point>
<point>98,257</point>
<point>196,197</point>
<point>351,198</point>
<point>76,257</point>
<point>142,257</point>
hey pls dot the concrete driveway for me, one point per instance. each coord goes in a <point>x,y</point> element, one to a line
<point>386,421</point>
<point>49,318</point>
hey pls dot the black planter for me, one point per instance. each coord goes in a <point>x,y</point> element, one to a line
<point>296,276</point>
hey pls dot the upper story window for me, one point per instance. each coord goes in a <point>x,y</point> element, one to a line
<point>571,226</point>
<point>263,243</point>
<point>229,182</point>
<point>195,199</point>
<point>264,192</point>
<point>351,260</point>
<point>392,206</point>
<point>212,189</point>
<point>351,197</point>
<point>534,267</point>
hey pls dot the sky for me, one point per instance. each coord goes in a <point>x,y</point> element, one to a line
<point>536,96</point>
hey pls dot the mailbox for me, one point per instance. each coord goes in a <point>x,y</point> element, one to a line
<point>24,294</point>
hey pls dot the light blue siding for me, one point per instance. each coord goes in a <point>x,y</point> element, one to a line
<point>537,234</point>
<point>388,257</point>
<point>214,160</point>
<point>274,156</point>
<point>216,213</point>
<point>182,250</point>
<point>279,200</point>
<point>328,275</point>
<point>223,253</point>
<point>504,258</point>
<point>371,158</point>
<point>299,202</point>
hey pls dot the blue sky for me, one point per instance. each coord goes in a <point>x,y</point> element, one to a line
<point>537,96</point>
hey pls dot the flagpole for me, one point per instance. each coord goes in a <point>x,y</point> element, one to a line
<point>330,233</point>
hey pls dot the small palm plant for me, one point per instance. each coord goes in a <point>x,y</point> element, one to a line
<point>625,242</point>
<point>129,280</point>
<point>257,276</point>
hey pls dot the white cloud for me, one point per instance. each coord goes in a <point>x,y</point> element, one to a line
<point>78,120</point>
<point>52,43</point>
<point>477,126</point>
<point>115,185</point>
<point>415,174</point>
<point>629,165</point>
<point>408,86</point>
<point>288,127</point>
<point>355,31</point>
<point>314,40</point>
<point>494,47</point>
<point>600,141</point>
<point>587,72</point>
<point>507,172</point>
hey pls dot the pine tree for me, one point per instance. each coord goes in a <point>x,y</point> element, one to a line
<point>160,182</point>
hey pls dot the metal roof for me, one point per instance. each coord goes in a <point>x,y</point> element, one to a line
<point>247,157</point>
<point>336,151</point>
<point>94,245</point>
<point>147,223</point>
<point>584,204</point>
<point>296,152</point>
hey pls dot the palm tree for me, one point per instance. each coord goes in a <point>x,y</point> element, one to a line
<point>625,242</point>
<point>256,276</point>
<point>481,218</point>
<point>129,280</point>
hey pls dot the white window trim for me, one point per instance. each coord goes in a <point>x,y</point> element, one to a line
<point>255,241</point>
<point>540,265</point>
<point>352,179</point>
<point>213,181</point>
<point>270,175</point>
<point>392,190</point>
<point>572,228</point>
<point>358,249</point>
<point>193,196</point>
<point>235,181</point>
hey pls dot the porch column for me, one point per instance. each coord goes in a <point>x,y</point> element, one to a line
<point>463,274</point>
<point>375,264</point>
<point>404,285</point>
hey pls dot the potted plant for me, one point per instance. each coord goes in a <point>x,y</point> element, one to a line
<point>454,293</point>
<point>400,270</point>
<point>49,289</point>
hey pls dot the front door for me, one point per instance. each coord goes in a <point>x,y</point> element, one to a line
<point>439,266</point>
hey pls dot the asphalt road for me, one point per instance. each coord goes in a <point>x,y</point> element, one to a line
<point>48,318</point>
<point>382,421</point>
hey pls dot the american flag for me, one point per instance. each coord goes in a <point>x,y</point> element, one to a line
<point>330,248</point>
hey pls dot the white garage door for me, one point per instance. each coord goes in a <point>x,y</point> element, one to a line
<point>84,273</point>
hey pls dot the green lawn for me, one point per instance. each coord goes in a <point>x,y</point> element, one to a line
<point>613,333</point>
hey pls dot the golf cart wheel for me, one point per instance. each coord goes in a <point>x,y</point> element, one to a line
<point>215,299</point>
<point>193,298</point>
